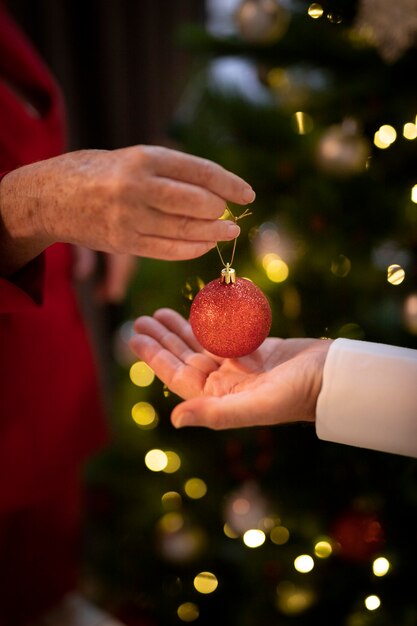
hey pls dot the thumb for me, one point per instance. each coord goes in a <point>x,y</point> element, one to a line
<point>232,411</point>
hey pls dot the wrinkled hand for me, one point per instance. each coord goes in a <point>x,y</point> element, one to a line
<point>143,200</point>
<point>278,383</point>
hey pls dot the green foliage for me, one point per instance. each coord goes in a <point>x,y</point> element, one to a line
<point>343,231</point>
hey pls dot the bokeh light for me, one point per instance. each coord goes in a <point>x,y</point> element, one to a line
<point>315,10</point>
<point>302,123</point>
<point>279,535</point>
<point>387,133</point>
<point>173,462</point>
<point>195,488</point>
<point>341,266</point>
<point>156,460</point>
<point>171,501</point>
<point>323,549</point>
<point>171,522</point>
<point>381,566</point>
<point>253,538</point>
<point>414,194</point>
<point>277,270</point>
<point>372,603</point>
<point>395,274</point>
<point>293,599</point>
<point>144,415</point>
<point>206,582</point>
<point>410,131</point>
<point>334,18</point>
<point>188,612</point>
<point>304,563</point>
<point>229,532</point>
<point>192,286</point>
<point>141,374</point>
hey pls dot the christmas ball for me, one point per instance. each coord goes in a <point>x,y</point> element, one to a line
<point>359,535</point>
<point>342,150</point>
<point>261,21</point>
<point>230,319</point>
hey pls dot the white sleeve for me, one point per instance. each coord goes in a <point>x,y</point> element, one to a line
<point>369,397</point>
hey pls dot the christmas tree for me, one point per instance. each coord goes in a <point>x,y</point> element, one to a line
<point>314,105</point>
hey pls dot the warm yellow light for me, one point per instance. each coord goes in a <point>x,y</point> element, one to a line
<point>144,415</point>
<point>277,78</point>
<point>315,10</point>
<point>293,600</point>
<point>304,563</point>
<point>206,582</point>
<point>323,549</point>
<point>156,460</point>
<point>410,130</point>
<point>171,500</point>
<point>414,194</point>
<point>372,603</point>
<point>395,274</point>
<point>195,488</point>
<point>171,522</point>
<point>188,612</point>
<point>341,266</point>
<point>388,134</point>
<point>277,271</point>
<point>302,122</point>
<point>279,535</point>
<point>380,566</point>
<point>378,141</point>
<point>141,374</point>
<point>268,258</point>
<point>173,462</point>
<point>253,538</point>
<point>229,532</point>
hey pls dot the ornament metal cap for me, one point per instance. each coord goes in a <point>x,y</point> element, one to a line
<point>228,274</point>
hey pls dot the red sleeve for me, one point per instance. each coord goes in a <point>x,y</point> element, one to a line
<point>24,289</point>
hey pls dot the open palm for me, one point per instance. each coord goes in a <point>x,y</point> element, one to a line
<point>279,382</point>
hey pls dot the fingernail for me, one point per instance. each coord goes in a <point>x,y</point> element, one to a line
<point>248,195</point>
<point>184,419</point>
<point>233,230</point>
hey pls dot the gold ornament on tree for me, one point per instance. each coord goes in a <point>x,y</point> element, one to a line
<point>389,25</point>
<point>261,21</point>
<point>342,150</point>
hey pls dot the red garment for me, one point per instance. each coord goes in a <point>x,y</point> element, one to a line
<point>51,416</point>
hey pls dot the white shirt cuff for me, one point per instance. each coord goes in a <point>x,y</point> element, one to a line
<point>369,397</point>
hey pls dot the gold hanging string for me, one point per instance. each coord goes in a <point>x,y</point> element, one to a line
<point>245,213</point>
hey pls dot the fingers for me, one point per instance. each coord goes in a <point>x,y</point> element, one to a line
<point>198,171</point>
<point>184,379</point>
<point>181,379</point>
<point>182,198</point>
<point>178,325</point>
<point>173,334</point>
<point>169,249</point>
<point>154,222</point>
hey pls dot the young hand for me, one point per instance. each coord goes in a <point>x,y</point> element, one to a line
<point>278,383</point>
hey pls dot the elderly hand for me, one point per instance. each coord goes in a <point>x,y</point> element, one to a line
<point>143,200</point>
<point>278,383</point>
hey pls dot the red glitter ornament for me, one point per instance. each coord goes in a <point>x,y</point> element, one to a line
<point>230,316</point>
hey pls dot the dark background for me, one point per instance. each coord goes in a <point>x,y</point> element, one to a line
<point>117,61</point>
